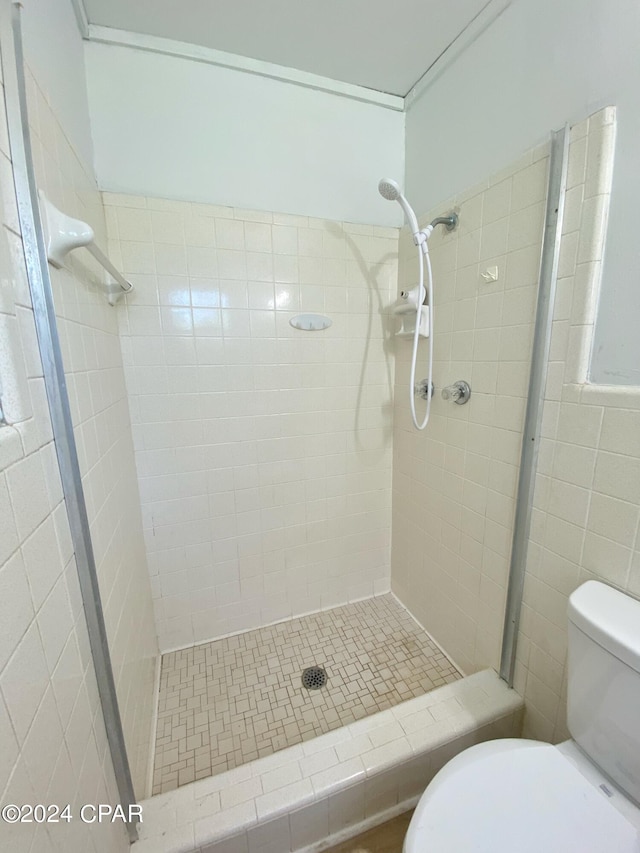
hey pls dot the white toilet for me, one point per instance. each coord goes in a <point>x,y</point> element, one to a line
<point>521,796</point>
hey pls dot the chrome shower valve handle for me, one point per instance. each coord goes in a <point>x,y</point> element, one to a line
<point>458,393</point>
<point>423,389</point>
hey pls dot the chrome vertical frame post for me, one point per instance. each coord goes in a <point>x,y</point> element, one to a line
<point>557,184</point>
<point>55,383</point>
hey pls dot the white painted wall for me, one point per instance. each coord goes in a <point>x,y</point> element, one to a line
<point>54,52</point>
<point>541,64</point>
<point>175,128</point>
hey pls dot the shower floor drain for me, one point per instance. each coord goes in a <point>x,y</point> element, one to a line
<point>314,677</point>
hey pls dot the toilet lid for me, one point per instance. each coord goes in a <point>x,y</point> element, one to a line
<point>518,797</point>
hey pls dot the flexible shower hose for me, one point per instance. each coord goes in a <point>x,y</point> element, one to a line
<point>423,256</point>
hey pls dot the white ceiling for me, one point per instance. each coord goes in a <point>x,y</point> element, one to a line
<point>385,45</point>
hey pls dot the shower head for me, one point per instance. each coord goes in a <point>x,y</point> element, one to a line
<point>390,190</point>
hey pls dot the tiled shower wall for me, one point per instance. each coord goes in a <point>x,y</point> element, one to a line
<point>587,499</point>
<point>454,484</point>
<point>51,727</point>
<point>88,329</point>
<point>263,452</point>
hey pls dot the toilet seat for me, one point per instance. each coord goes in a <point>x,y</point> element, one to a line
<point>519,796</point>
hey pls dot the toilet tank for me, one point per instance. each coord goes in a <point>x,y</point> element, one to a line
<point>603,691</point>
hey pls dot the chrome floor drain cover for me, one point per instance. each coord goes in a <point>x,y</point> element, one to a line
<point>314,677</point>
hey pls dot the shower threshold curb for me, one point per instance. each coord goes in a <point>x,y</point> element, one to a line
<point>305,797</point>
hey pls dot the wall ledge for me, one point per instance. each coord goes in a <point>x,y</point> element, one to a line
<point>348,778</point>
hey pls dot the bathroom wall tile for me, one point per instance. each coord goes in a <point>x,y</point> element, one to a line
<point>607,560</point>
<point>579,424</point>
<point>617,476</point>
<point>26,485</point>
<point>621,431</point>
<point>134,222</point>
<point>259,379</point>
<point>32,568</point>
<point>235,844</point>
<point>529,185</point>
<point>270,837</point>
<point>308,824</point>
<point>284,799</point>
<point>48,688</point>
<point>24,680</point>
<point>240,793</point>
<point>586,486</point>
<point>613,518</point>
<point>497,201</point>
<point>462,472</point>
<point>167,227</point>
<point>16,605</point>
<point>9,539</point>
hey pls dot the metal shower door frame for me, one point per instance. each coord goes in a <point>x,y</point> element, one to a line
<point>557,184</point>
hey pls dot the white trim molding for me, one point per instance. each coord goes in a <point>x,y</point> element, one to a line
<point>197,53</point>
<point>82,19</point>
<point>474,29</point>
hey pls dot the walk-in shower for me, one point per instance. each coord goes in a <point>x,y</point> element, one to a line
<point>295,598</point>
<point>390,190</point>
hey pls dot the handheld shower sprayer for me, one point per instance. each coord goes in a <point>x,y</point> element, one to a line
<point>391,191</point>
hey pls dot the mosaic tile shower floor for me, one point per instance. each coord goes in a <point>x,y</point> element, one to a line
<point>224,703</point>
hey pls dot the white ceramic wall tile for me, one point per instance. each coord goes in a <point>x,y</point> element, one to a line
<point>454,484</point>
<point>263,453</point>
<point>587,498</point>
<point>53,738</point>
<point>88,329</point>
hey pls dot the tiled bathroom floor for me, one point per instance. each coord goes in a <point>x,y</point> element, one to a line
<point>387,838</point>
<point>233,700</point>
